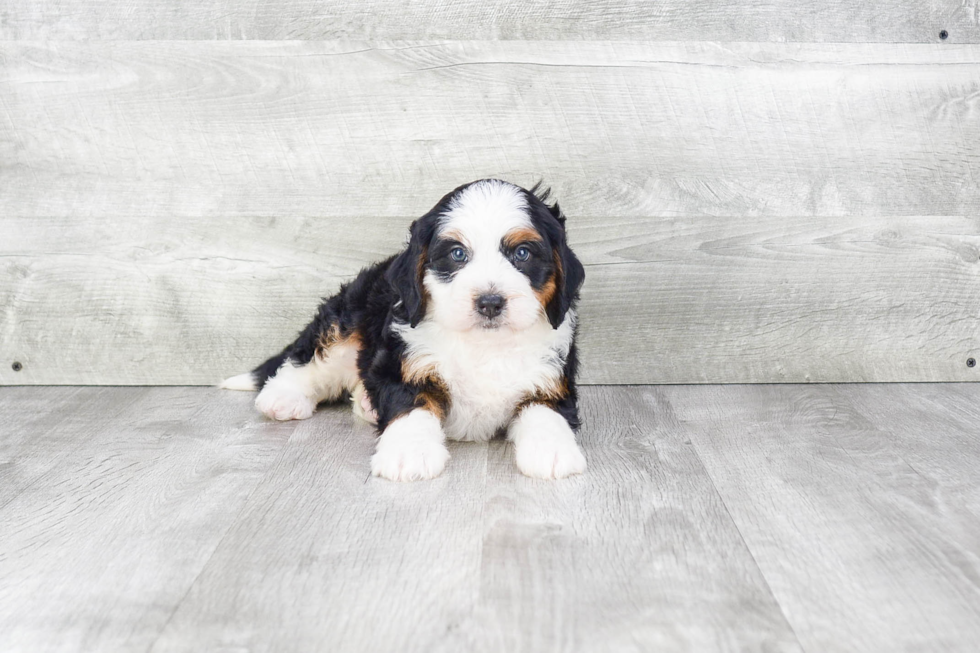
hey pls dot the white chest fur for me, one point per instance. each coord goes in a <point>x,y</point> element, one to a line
<point>489,372</point>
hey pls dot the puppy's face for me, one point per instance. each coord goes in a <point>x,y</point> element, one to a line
<point>488,267</point>
<point>489,256</point>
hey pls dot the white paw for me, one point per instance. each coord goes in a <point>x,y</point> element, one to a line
<point>411,449</point>
<point>282,404</point>
<point>548,459</point>
<point>544,445</point>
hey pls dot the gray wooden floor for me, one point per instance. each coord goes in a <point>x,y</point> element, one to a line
<point>772,517</point>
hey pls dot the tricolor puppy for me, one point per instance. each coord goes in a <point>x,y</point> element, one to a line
<point>467,333</point>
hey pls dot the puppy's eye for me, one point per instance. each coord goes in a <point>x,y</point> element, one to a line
<point>522,253</point>
<point>458,254</point>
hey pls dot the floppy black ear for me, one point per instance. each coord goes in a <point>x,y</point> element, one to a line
<point>405,272</point>
<point>569,276</point>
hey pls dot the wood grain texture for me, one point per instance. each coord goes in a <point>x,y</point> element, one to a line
<point>638,554</point>
<point>146,540</point>
<point>723,518</point>
<point>697,299</point>
<point>98,550</point>
<point>670,20</point>
<point>848,497</point>
<point>327,557</point>
<point>34,427</point>
<point>173,211</point>
<point>272,129</point>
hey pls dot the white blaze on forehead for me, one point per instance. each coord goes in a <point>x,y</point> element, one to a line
<point>484,212</point>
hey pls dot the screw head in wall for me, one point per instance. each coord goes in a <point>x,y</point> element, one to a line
<point>971,362</point>
<point>943,34</point>
<point>17,367</point>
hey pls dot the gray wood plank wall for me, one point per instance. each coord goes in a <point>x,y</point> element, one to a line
<point>760,191</point>
<point>896,21</point>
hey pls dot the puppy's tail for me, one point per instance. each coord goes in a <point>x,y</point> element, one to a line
<point>244,382</point>
<point>255,380</point>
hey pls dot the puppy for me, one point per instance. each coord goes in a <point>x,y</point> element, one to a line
<point>467,333</point>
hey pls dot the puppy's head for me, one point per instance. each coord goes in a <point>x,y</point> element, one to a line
<point>489,255</point>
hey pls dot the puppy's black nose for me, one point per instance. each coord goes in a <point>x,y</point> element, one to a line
<point>489,305</point>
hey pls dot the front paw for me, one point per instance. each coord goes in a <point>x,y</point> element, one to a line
<point>544,445</point>
<point>411,449</point>
<point>282,404</point>
<point>544,458</point>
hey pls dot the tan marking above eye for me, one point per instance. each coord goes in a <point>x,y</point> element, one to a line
<point>515,237</point>
<point>454,234</point>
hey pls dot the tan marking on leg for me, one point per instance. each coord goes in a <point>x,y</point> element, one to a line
<point>549,395</point>
<point>336,357</point>
<point>434,398</point>
<point>332,337</point>
<point>433,394</point>
<point>417,372</point>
